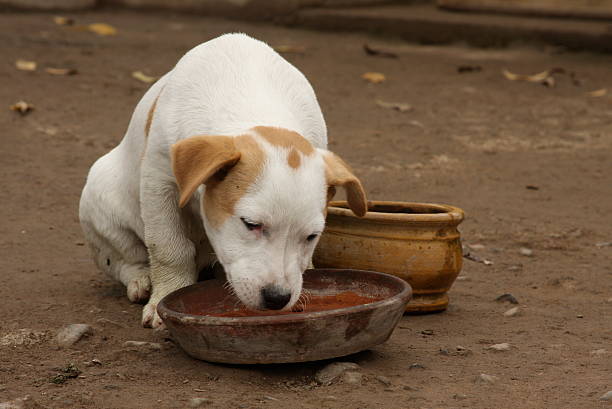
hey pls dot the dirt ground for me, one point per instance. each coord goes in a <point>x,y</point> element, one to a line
<point>475,140</point>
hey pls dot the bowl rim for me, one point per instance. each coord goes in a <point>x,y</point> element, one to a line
<point>207,320</point>
<point>449,214</point>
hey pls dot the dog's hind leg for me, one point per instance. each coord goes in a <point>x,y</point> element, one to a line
<point>123,256</point>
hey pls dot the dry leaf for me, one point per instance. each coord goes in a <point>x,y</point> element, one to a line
<point>60,71</point>
<point>378,53</point>
<point>539,77</point>
<point>22,107</point>
<point>24,65</point>
<point>102,29</point>
<point>63,21</point>
<point>598,93</point>
<point>548,81</point>
<point>290,49</point>
<point>374,77</point>
<point>140,76</point>
<point>398,106</point>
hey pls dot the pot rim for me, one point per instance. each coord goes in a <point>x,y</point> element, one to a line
<point>448,214</point>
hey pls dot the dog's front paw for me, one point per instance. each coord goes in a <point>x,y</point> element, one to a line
<point>150,317</point>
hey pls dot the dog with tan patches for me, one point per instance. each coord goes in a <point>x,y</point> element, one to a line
<point>224,159</point>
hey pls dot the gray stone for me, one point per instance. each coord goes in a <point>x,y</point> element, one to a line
<point>155,346</point>
<point>199,402</point>
<point>606,396</point>
<point>71,334</point>
<point>384,380</point>
<point>512,312</point>
<point>48,5</point>
<point>500,347</point>
<point>352,378</point>
<point>484,378</point>
<point>333,371</point>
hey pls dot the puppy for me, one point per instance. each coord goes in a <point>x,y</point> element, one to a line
<point>224,159</point>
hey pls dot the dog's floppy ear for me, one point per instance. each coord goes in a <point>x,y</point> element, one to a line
<point>198,158</point>
<point>338,173</point>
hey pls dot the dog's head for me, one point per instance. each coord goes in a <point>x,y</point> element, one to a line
<point>264,206</point>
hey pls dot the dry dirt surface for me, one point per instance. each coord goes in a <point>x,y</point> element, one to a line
<point>530,165</point>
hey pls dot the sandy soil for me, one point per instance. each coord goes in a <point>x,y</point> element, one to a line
<point>475,140</point>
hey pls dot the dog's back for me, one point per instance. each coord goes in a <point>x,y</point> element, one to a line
<point>234,83</point>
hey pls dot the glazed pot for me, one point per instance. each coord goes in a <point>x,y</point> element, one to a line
<point>418,242</point>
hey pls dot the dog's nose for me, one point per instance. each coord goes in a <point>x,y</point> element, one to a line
<point>274,298</point>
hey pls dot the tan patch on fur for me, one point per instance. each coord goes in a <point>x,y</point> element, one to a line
<point>285,139</point>
<point>150,117</point>
<point>225,190</point>
<point>147,128</point>
<point>338,173</point>
<point>293,159</point>
<point>198,159</point>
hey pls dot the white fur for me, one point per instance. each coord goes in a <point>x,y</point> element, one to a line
<point>129,206</point>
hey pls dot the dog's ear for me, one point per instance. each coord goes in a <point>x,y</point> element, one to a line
<point>196,159</point>
<point>338,173</point>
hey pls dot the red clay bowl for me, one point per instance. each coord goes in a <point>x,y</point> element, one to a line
<point>294,337</point>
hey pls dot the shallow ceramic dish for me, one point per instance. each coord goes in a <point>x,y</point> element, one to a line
<point>295,337</point>
<point>418,242</point>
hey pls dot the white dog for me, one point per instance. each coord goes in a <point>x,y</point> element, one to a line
<point>224,158</point>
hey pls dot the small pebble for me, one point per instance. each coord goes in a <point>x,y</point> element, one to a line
<point>579,316</point>
<point>416,366</point>
<point>71,334</point>
<point>484,378</point>
<point>515,267</point>
<point>93,362</point>
<point>514,311</point>
<point>500,347</point>
<point>333,371</point>
<point>384,380</point>
<point>607,396</point>
<point>427,332</point>
<point>526,252</point>
<point>144,345</point>
<point>603,244</point>
<point>198,402</point>
<point>507,297</point>
<point>459,396</point>
<point>352,378</point>
<point>462,351</point>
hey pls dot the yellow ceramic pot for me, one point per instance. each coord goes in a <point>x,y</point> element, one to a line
<point>418,242</point>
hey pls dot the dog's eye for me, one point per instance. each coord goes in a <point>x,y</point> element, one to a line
<point>312,237</point>
<point>250,225</point>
